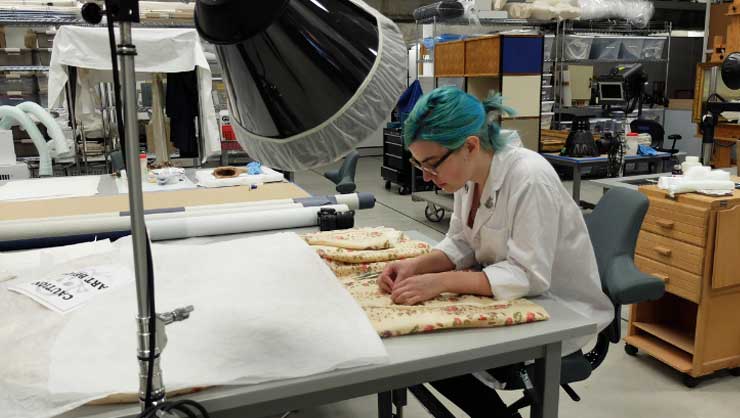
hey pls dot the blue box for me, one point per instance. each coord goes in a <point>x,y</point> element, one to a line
<point>522,54</point>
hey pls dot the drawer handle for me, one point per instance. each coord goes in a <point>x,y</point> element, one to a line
<point>663,277</point>
<point>665,224</point>
<point>666,252</point>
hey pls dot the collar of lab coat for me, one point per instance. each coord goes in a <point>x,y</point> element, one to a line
<point>496,174</point>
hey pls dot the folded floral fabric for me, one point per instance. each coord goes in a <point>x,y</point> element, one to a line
<point>344,270</point>
<point>378,238</point>
<point>353,255</point>
<point>406,249</point>
<point>444,312</point>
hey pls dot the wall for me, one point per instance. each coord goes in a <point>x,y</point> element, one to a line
<point>679,122</point>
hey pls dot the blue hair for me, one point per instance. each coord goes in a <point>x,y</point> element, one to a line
<point>448,116</point>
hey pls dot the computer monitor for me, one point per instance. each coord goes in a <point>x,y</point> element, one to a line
<point>611,92</point>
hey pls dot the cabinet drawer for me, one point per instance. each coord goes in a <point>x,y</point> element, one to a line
<point>680,221</point>
<point>393,138</point>
<point>393,161</point>
<point>483,56</point>
<point>393,148</point>
<point>671,228</point>
<point>393,175</point>
<point>672,252</point>
<point>449,59</point>
<point>677,281</point>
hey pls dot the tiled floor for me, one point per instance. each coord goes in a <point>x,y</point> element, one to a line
<point>623,386</point>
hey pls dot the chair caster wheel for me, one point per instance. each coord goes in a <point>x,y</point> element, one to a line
<point>387,185</point>
<point>630,349</point>
<point>690,381</point>
<point>735,371</point>
<point>404,191</point>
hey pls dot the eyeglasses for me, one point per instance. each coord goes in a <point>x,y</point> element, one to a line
<point>432,169</point>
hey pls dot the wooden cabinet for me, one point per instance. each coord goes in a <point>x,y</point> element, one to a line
<point>449,59</point>
<point>483,56</point>
<point>508,64</point>
<point>692,243</point>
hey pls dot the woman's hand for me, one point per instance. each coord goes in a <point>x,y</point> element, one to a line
<point>396,272</point>
<point>417,289</point>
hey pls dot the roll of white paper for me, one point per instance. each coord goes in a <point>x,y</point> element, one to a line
<point>172,225</point>
<point>233,223</point>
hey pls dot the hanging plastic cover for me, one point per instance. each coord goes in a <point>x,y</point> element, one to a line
<point>307,80</point>
<point>440,9</point>
<point>637,12</point>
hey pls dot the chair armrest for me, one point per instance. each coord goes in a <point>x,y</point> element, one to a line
<point>346,185</point>
<point>674,137</point>
<point>627,285</point>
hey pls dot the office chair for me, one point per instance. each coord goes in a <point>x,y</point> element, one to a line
<point>116,161</point>
<point>344,177</point>
<point>656,132</point>
<point>613,227</point>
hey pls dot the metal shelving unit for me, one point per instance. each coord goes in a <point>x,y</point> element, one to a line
<point>9,17</point>
<point>24,68</point>
<point>616,61</point>
<point>57,18</point>
<point>614,28</point>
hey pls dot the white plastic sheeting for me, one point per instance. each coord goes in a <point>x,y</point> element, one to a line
<point>158,51</point>
<point>256,319</point>
<point>638,12</point>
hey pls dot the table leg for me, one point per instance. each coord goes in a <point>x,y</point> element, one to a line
<point>399,400</point>
<point>577,185</point>
<point>547,382</point>
<point>385,405</point>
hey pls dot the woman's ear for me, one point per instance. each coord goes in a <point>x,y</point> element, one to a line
<point>472,144</point>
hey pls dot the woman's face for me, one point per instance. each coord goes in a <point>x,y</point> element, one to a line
<point>449,170</point>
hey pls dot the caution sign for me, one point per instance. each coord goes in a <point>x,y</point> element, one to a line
<point>65,292</point>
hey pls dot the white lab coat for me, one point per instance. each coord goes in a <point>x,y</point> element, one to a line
<point>530,238</point>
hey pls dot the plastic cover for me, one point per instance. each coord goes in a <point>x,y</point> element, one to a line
<point>442,9</point>
<point>357,120</point>
<point>638,12</point>
<point>577,47</point>
<point>653,48</point>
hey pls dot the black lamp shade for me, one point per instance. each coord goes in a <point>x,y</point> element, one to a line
<point>307,79</point>
<point>731,71</point>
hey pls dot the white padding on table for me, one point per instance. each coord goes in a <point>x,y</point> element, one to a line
<point>50,188</point>
<point>207,179</point>
<point>266,308</point>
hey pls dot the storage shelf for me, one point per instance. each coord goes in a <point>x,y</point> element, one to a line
<point>8,68</point>
<point>487,21</point>
<point>40,18</point>
<point>615,61</point>
<point>671,335</point>
<point>676,358</point>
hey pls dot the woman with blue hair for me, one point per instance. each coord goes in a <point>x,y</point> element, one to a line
<point>515,231</point>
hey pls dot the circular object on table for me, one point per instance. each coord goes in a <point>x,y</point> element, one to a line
<point>690,381</point>
<point>630,349</point>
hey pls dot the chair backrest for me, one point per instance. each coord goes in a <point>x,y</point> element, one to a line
<point>614,226</point>
<point>646,126</point>
<point>116,161</point>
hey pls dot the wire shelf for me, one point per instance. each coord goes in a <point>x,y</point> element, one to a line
<point>24,68</point>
